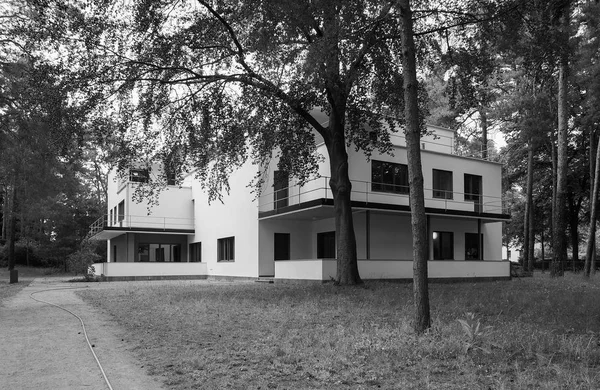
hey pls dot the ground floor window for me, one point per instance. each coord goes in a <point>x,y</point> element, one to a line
<point>226,249</point>
<point>473,250</point>
<point>281,246</point>
<point>326,245</point>
<point>196,252</point>
<point>443,245</point>
<point>159,253</point>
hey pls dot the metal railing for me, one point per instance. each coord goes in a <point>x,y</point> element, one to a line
<point>141,222</point>
<point>373,192</point>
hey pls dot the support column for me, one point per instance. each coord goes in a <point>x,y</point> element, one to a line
<point>368,234</point>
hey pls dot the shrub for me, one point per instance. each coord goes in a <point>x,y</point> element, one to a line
<point>81,261</point>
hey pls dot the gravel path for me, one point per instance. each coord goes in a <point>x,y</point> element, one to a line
<point>44,347</point>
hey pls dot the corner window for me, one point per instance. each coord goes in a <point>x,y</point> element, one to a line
<point>473,249</point>
<point>226,249</point>
<point>389,177</point>
<point>281,246</point>
<point>196,252</point>
<point>443,245</point>
<point>326,245</point>
<point>442,184</point>
<point>139,175</point>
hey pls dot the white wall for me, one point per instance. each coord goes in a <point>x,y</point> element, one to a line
<point>391,269</point>
<point>237,216</point>
<point>149,269</point>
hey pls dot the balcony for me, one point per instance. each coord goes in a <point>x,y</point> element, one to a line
<point>103,228</point>
<point>387,196</point>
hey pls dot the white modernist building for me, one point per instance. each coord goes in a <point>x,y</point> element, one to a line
<point>288,231</point>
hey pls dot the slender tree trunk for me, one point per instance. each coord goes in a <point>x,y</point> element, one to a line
<point>543,250</point>
<point>528,220</point>
<point>589,252</point>
<point>415,172</point>
<point>3,234</point>
<point>593,164</point>
<point>559,240</point>
<point>484,132</point>
<point>12,227</point>
<point>341,187</point>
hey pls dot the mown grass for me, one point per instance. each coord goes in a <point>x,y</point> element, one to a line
<point>534,333</point>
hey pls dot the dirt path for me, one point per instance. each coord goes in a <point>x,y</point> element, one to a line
<point>44,347</point>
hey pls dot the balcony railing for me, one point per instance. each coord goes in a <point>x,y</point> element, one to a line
<point>370,192</point>
<point>140,222</point>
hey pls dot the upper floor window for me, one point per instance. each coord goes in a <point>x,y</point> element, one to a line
<point>280,189</point>
<point>472,187</point>
<point>139,175</point>
<point>442,184</point>
<point>389,177</point>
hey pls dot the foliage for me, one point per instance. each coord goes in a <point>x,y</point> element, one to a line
<point>81,261</point>
<point>475,336</point>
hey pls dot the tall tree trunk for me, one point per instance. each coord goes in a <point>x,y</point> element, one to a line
<point>592,159</point>
<point>341,187</point>
<point>484,132</point>
<point>543,249</point>
<point>559,240</point>
<point>527,228</point>
<point>12,227</point>
<point>415,172</point>
<point>589,252</point>
<point>574,207</point>
<point>3,233</point>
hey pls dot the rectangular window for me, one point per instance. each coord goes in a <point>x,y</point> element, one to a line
<point>473,249</point>
<point>442,184</point>
<point>281,246</point>
<point>114,253</point>
<point>143,253</point>
<point>121,210</point>
<point>326,245</point>
<point>389,177</point>
<point>443,245</point>
<point>226,249</point>
<point>196,252</point>
<point>110,221</point>
<point>280,188</point>
<point>139,175</point>
<point>472,188</point>
<point>159,253</point>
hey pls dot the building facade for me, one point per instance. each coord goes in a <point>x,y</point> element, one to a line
<point>288,231</point>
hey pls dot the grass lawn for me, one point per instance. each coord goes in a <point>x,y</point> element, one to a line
<point>533,333</point>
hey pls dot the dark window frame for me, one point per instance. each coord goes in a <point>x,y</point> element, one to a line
<point>469,253</point>
<point>442,187</point>
<point>226,249</point>
<point>389,177</point>
<point>281,246</point>
<point>139,175</point>
<point>469,193</point>
<point>440,245</point>
<point>326,245</point>
<point>195,252</point>
<point>281,188</point>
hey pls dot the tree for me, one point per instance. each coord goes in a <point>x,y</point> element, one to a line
<point>415,172</point>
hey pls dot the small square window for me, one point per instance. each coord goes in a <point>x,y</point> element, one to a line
<point>226,249</point>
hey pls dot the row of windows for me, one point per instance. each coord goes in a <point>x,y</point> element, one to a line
<point>443,247</point>
<point>143,176</point>
<point>117,214</point>
<point>393,177</point>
